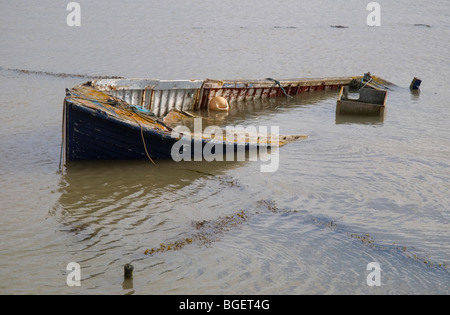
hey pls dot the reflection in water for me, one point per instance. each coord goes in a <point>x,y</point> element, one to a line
<point>390,183</point>
<point>110,207</point>
<point>96,192</point>
<point>91,187</point>
<point>357,119</point>
<point>127,284</point>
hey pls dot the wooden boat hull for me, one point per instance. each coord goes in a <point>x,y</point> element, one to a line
<point>101,119</point>
<point>92,135</point>
<point>98,127</point>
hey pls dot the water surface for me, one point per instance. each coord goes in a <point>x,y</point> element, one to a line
<point>354,192</point>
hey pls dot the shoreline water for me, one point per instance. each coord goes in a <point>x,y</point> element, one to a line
<point>353,193</point>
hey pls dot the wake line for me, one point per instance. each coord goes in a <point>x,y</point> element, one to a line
<point>58,75</point>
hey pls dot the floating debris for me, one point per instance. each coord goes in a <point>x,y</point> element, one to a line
<point>289,26</point>
<point>218,103</point>
<point>268,204</point>
<point>415,84</point>
<point>339,26</point>
<point>364,238</point>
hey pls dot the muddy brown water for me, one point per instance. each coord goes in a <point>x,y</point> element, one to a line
<point>356,191</point>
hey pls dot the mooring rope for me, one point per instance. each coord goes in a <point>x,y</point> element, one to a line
<point>130,114</point>
<point>279,84</point>
<point>63,142</point>
<point>145,147</point>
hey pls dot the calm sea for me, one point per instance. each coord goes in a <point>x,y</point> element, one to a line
<point>354,193</point>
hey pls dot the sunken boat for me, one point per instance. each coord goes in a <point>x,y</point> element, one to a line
<point>110,119</point>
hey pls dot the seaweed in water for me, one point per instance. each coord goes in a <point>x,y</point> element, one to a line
<point>209,231</point>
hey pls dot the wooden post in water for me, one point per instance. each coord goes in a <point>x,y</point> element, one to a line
<point>128,271</point>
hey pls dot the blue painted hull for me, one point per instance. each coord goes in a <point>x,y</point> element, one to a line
<point>96,132</point>
<point>98,126</point>
<point>95,135</point>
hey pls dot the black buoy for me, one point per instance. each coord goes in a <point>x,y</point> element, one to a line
<point>415,84</point>
<point>128,271</point>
